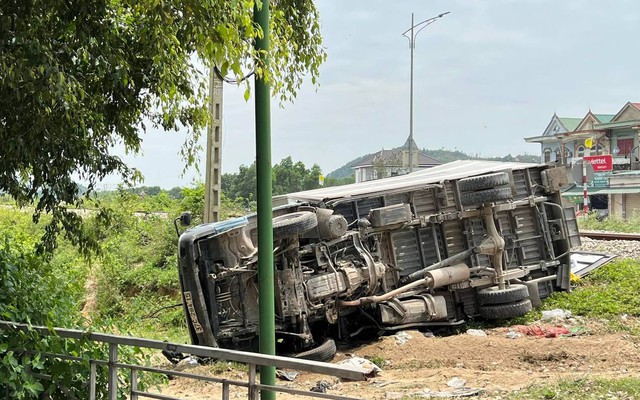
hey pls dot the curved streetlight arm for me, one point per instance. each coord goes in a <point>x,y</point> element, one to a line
<point>424,24</point>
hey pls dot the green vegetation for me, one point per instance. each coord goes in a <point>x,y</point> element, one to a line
<point>613,224</point>
<point>288,177</point>
<point>77,79</point>
<point>378,360</point>
<point>607,296</point>
<point>611,290</point>
<point>132,286</point>
<point>46,290</point>
<point>585,389</point>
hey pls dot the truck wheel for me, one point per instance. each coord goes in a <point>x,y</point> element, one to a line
<point>483,182</point>
<point>324,352</point>
<point>506,311</point>
<point>293,224</point>
<point>494,295</point>
<point>485,196</point>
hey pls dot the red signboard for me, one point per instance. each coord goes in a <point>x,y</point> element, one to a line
<point>601,163</point>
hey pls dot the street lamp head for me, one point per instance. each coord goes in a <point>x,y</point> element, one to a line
<point>420,26</point>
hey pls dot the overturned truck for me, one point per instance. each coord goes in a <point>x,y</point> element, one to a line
<point>438,247</point>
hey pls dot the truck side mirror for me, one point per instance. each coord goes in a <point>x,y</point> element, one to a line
<point>185,218</point>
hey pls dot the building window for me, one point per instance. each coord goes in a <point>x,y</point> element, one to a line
<point>592,151</point>
<point>625,146</point>
<point>547,155</point>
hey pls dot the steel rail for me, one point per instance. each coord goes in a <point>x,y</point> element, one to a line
<point>610,235</point>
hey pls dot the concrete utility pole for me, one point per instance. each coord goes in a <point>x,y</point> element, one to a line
<point>412,45</point>
<point>213,175</point>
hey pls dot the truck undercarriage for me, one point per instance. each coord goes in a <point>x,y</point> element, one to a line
<point>434,248</point>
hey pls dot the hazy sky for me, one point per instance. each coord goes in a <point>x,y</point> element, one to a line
<point>487,75</point>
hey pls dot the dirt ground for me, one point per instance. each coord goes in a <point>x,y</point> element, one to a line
<point>494,363</point>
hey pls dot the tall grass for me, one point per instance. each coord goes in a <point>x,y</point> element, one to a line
<point>612,224</point>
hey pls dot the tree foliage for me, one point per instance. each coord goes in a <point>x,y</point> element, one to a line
<point>78,78</point>
<point>288,177</point>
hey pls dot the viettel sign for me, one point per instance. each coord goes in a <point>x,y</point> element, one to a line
<point>601,163</point>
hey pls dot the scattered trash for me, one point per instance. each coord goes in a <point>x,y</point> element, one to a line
<point>362,363</point>
<point>173,356</point>
<point>287,375</point>
<point>383,383</point>
<point>577,330</point>
<point>541,331</point>
<point>513,335</point>
<point>321,386</point>
<point>188,361</point>
<point>402,337</point>
<point>624,317</point>
<point>462,392</point>
<point>476,332</point>
<point>428,333</point>
<point>551,315</point>
<point>456,383</point>
<point>193,361</point>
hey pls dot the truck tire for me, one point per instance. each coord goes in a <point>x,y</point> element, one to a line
<point>293,224</point>
<point>324,352</point>
<point>506,311</point>
<point>483,182</point>
<point>494,295</point>
<point>485,196</point>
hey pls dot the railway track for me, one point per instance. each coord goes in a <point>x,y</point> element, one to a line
<point>610,235</point>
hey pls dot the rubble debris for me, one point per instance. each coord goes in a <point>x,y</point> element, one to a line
<point>402,337</point>
<point>541,330</point>
<point>287,375</point>
<point>556,314</point>
<point>513,335</point>
<point>321,386</point>
<point>362,363</point>
<point>476,332</point>
<point>456,383</point>
<point>462,392</point>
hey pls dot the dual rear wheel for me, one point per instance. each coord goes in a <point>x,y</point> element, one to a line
<point>512,301</point>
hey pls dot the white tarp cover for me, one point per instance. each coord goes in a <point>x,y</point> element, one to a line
<point>422,178</point>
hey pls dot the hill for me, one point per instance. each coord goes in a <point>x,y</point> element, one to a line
<point>440,154</point>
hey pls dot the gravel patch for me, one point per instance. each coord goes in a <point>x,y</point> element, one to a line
<point>621,248</point>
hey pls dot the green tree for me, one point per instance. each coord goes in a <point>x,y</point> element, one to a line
<point>328,181</point>
<point>288,177</point>
<point>78,77</point>
<point>245,184</point>
<point>311,181</point>
<point>175,193</point>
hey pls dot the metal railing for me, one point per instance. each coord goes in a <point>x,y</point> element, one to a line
<point>252,360</point>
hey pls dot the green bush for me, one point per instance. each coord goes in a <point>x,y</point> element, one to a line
<point>612,224</point>
<point>134,279</point>
<point>33,290</point>
<point>610,290</point>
